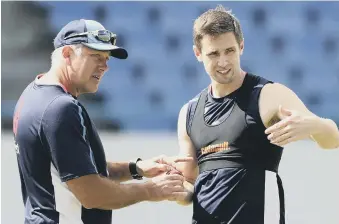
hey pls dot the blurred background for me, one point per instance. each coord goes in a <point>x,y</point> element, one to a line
<point>294,43</point>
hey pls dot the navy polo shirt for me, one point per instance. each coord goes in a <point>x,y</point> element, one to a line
<point>55,141</point>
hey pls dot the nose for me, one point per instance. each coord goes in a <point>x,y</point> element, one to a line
<point>223,61</point>
<point>104,67</point>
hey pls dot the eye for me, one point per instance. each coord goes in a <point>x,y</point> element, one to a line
<point>95,56</point>
<point>213,54</point>
<point>99,57</point>
<point>229,50</point>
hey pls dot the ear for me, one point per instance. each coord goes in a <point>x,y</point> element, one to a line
<point>66,53</point>
<point>242,45</point>
<point>197,53</point>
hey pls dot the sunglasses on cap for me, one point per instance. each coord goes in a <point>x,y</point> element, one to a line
<point>102,35</point>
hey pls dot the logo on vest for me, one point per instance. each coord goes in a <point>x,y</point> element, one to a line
<point>215,148</point>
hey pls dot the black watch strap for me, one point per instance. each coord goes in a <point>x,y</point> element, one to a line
<point>133,170</point>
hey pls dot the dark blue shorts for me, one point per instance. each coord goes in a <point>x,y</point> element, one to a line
<point>234,196</point>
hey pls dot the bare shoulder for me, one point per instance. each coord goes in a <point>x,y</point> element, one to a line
<point>275,94</point>
<point>275,89</point>
<point>185,142</point>
<point>183,112</point>
<point>182,131</point>
<point>272,96</point>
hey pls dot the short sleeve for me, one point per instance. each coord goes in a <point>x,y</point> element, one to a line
<point>63,126</point>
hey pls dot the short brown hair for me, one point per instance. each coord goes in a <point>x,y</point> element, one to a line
<point>215,22</point>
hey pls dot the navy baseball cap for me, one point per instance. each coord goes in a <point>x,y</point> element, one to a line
<point>91,34</point>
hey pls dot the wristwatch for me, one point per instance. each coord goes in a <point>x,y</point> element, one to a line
<point>133,170</point>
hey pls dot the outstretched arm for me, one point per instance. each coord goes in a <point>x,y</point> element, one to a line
<point>295,121</point>
<point>73,165</point>
<point>119,171</point>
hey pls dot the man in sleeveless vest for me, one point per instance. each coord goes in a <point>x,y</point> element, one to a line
<point>236,130</point>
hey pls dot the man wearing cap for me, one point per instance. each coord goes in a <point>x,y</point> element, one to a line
<point>65,178</point>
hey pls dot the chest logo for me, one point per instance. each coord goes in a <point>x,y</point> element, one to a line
<point>215,148</point>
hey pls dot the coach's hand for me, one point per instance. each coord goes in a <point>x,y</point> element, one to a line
<point>292,127</point>
<point>167,187</point>
<point>158,165</point>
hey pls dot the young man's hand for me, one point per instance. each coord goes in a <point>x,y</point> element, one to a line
<point>292,127</point>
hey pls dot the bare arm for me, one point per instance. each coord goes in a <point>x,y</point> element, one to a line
<point>73,160</point>
<point>280,104</point>
<point>119,171</point>
<point>188,169</point>
<point>94,191</point>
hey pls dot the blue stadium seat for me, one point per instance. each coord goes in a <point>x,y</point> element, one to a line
<point>164,79</point>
